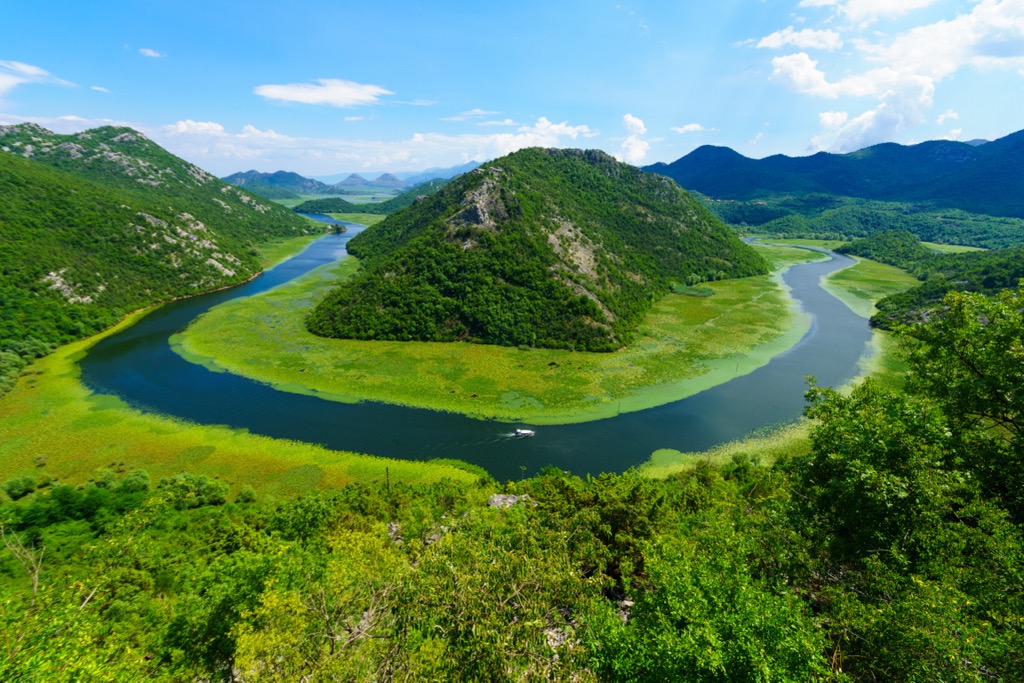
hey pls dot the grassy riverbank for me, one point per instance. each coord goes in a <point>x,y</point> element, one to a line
<point>859,287</point>
<point>687,344</point>
<point>53,428</point>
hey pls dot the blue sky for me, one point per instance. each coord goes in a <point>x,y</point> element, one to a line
<point>327,87</point>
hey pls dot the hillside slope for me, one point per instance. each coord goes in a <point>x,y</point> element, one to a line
<point>98,224</point>
<point>552,248</point>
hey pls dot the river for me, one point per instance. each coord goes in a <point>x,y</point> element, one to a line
<point>138,365</point>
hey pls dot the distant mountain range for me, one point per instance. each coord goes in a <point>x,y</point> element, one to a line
<point>288,185</point>
<point>977,176</point>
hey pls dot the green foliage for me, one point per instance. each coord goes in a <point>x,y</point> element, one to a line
<point>550,248</point>
<point>101,223</point>
<point>194,490</point>
<point>19,487</point>
<point>702,614</point>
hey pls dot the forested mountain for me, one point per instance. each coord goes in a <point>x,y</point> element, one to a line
<point>278,185</point>
<point>97,224</point>
<point>986,178</point>
<point>553,248</point>
<point>388,206</point>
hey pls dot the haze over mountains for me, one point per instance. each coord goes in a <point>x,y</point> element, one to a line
<point>289,185</point>
<point>978,177</point>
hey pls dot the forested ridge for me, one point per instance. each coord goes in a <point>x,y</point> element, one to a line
<point>985,272</point>
<point>98,224</point>
<point>552,248</point>
<point>892,550</point>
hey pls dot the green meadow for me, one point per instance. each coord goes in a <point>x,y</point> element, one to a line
<point>686,344</point>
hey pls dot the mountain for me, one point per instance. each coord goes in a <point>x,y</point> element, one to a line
<point>552,248</point>
<point>431,173</point>
<point>278,185</point>
<point>103,222</point>
<point>983,178</point>
<point>354,180</point>
<point>388,180</point>
<point>389,206</point>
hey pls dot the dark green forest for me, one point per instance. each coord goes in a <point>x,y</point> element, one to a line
<point>98,224</point>
<point>550,248</point>
<point>892,551</point>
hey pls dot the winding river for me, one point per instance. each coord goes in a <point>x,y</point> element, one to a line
<point>138,365</point>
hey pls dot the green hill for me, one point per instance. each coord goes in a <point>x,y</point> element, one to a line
<point>95,225</point>
<point>552,248</point>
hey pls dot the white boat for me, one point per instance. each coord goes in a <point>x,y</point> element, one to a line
<point>523,433</point>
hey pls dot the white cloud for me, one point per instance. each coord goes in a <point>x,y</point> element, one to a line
<point>634,147</point>
<point>13,74</point>
<point>907,68</point>
<point>503,122</point>
<point>692,128</point>
<point>801,74</point>
<point>354,118</point>
<point>98,88</point>
<point>197,127</point>
<point>210,146</point>
<point>633,125</point>
<point>147,52</point>
<point>807,39</point>
<point>330,91</point>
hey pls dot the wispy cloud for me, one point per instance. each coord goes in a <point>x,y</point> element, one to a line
<point>13,74</point>
<point>470,115</point>
<point>947,115</point>
<point>334,92</point>
<point>354,118</point>
<point>98,88</point>
<point>503,122</point>
<point>149,52</point>
<point>867,11</point>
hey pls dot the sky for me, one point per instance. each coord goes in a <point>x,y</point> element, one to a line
<point>328,87</point>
